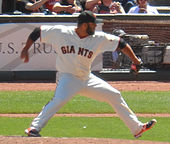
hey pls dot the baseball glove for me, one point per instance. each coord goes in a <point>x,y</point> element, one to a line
<point>135,68</point>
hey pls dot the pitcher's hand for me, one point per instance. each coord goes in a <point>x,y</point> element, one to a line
<point>25,55</point>
<point>136,67</point>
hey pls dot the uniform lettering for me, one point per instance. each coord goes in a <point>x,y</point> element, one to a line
<point>67,49</point>
<point>85,52</point>
<point>81,51</point>
<point>72,50</point>
<point>90,54</point>
<point>63,50</point>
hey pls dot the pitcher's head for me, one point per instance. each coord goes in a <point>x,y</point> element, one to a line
<point>88,19</point>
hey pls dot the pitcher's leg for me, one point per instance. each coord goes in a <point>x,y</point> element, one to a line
<point>68,86</point>
<point>102,91</point>
<point>125,113</point>
<point>49,110</point>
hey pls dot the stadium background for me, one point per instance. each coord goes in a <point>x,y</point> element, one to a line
<point>149,38</point>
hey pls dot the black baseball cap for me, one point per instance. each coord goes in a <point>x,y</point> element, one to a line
<point>88,16</point>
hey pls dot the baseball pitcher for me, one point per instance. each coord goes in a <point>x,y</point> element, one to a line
<point>77,47</point>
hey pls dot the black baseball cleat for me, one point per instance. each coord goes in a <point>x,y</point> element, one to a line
<point>146,127</point>
<point>32,132</point>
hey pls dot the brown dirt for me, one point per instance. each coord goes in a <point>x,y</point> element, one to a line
<point>48,140</point>
<point>122,86</point>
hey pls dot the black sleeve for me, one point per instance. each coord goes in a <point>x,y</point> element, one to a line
<point>35,34</point>
<point>122,43</point>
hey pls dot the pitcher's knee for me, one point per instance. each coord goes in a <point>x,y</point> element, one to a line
<point>115,93</point>
<point>60,99</point>
<point>115,97</point>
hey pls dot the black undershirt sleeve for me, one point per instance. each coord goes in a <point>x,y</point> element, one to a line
<point>35,34</point>
<point>122,43</point>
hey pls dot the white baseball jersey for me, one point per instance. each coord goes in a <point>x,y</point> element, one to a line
<point>76,55</point>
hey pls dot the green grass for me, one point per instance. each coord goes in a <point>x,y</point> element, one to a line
<point>33,101</point>
<point>95,127</point>
<point>148,102</point>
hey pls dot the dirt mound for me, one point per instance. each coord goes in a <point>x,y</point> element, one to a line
<point>48,140</point>
<point>120,85</point>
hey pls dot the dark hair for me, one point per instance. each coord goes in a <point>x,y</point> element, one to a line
<point>86,17</point>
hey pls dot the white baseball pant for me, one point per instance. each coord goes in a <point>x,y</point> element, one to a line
<point>94,87</point>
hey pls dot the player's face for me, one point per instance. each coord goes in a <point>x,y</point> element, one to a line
<point>91,28</point>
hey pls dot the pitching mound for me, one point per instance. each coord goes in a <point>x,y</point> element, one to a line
<point>120,85</point>
<point>48,140</point>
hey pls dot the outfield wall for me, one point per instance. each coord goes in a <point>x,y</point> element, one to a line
<point>14,30</point>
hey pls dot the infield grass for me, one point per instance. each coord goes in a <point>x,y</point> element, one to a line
<point>105,127</point>
<point>33,101</point>
<point>86,127</point>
